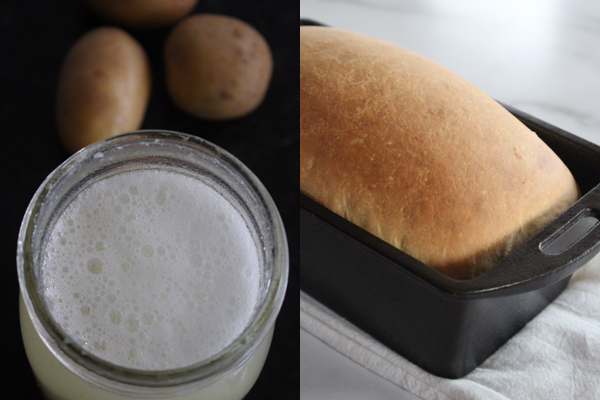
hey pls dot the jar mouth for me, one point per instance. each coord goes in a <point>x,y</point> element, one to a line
<point>142,150</point>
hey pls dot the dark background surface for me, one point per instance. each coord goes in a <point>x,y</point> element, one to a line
<point>34,39</point>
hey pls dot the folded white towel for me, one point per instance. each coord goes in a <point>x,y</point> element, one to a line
<point>555,356</point>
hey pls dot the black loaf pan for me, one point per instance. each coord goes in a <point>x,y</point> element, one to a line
<point>448,327</point>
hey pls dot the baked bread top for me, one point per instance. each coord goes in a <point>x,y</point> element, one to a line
<point>418,156</point>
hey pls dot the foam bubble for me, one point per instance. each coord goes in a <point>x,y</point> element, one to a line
<point>95,265</point>
<point>116,316</point>
<point>148,250</point>
<point>164,260</point>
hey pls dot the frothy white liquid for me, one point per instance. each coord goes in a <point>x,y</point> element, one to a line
<point>151,270</point>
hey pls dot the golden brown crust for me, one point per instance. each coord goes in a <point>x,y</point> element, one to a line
<point>416,155</point>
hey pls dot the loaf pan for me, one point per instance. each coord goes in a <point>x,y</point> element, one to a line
<point>449,327</point>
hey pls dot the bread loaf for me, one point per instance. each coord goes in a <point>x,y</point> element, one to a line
<point>418,156</point>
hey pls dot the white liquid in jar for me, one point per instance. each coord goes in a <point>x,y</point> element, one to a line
<point>151,270</point>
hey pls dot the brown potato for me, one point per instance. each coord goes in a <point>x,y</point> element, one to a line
<point>142,14</point>
<point>217,67</point>
<point>103,88</point>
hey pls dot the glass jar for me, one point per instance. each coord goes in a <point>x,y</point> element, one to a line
<point>63,368</point>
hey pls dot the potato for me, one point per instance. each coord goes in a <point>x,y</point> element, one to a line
<point>217,67</point>
<point>103,88</point>
<point>142,14</point>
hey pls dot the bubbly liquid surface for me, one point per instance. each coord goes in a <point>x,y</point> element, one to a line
<point>151,270</point>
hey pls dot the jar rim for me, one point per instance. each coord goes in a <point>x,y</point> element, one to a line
<point>70,353</point>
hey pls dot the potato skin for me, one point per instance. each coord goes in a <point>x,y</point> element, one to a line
<point>103,88</point>
<point>142,14</point>
<point>217,67</point>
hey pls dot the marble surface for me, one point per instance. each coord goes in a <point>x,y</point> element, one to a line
<point>540,56</point>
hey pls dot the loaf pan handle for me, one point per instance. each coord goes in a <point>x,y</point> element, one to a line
<point>554,253</point>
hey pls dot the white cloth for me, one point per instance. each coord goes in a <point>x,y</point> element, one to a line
<point>555,356</point>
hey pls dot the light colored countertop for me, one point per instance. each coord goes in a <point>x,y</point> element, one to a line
<point>540,56</point>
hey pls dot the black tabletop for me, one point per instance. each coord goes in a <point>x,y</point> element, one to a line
<point>34,39</point>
